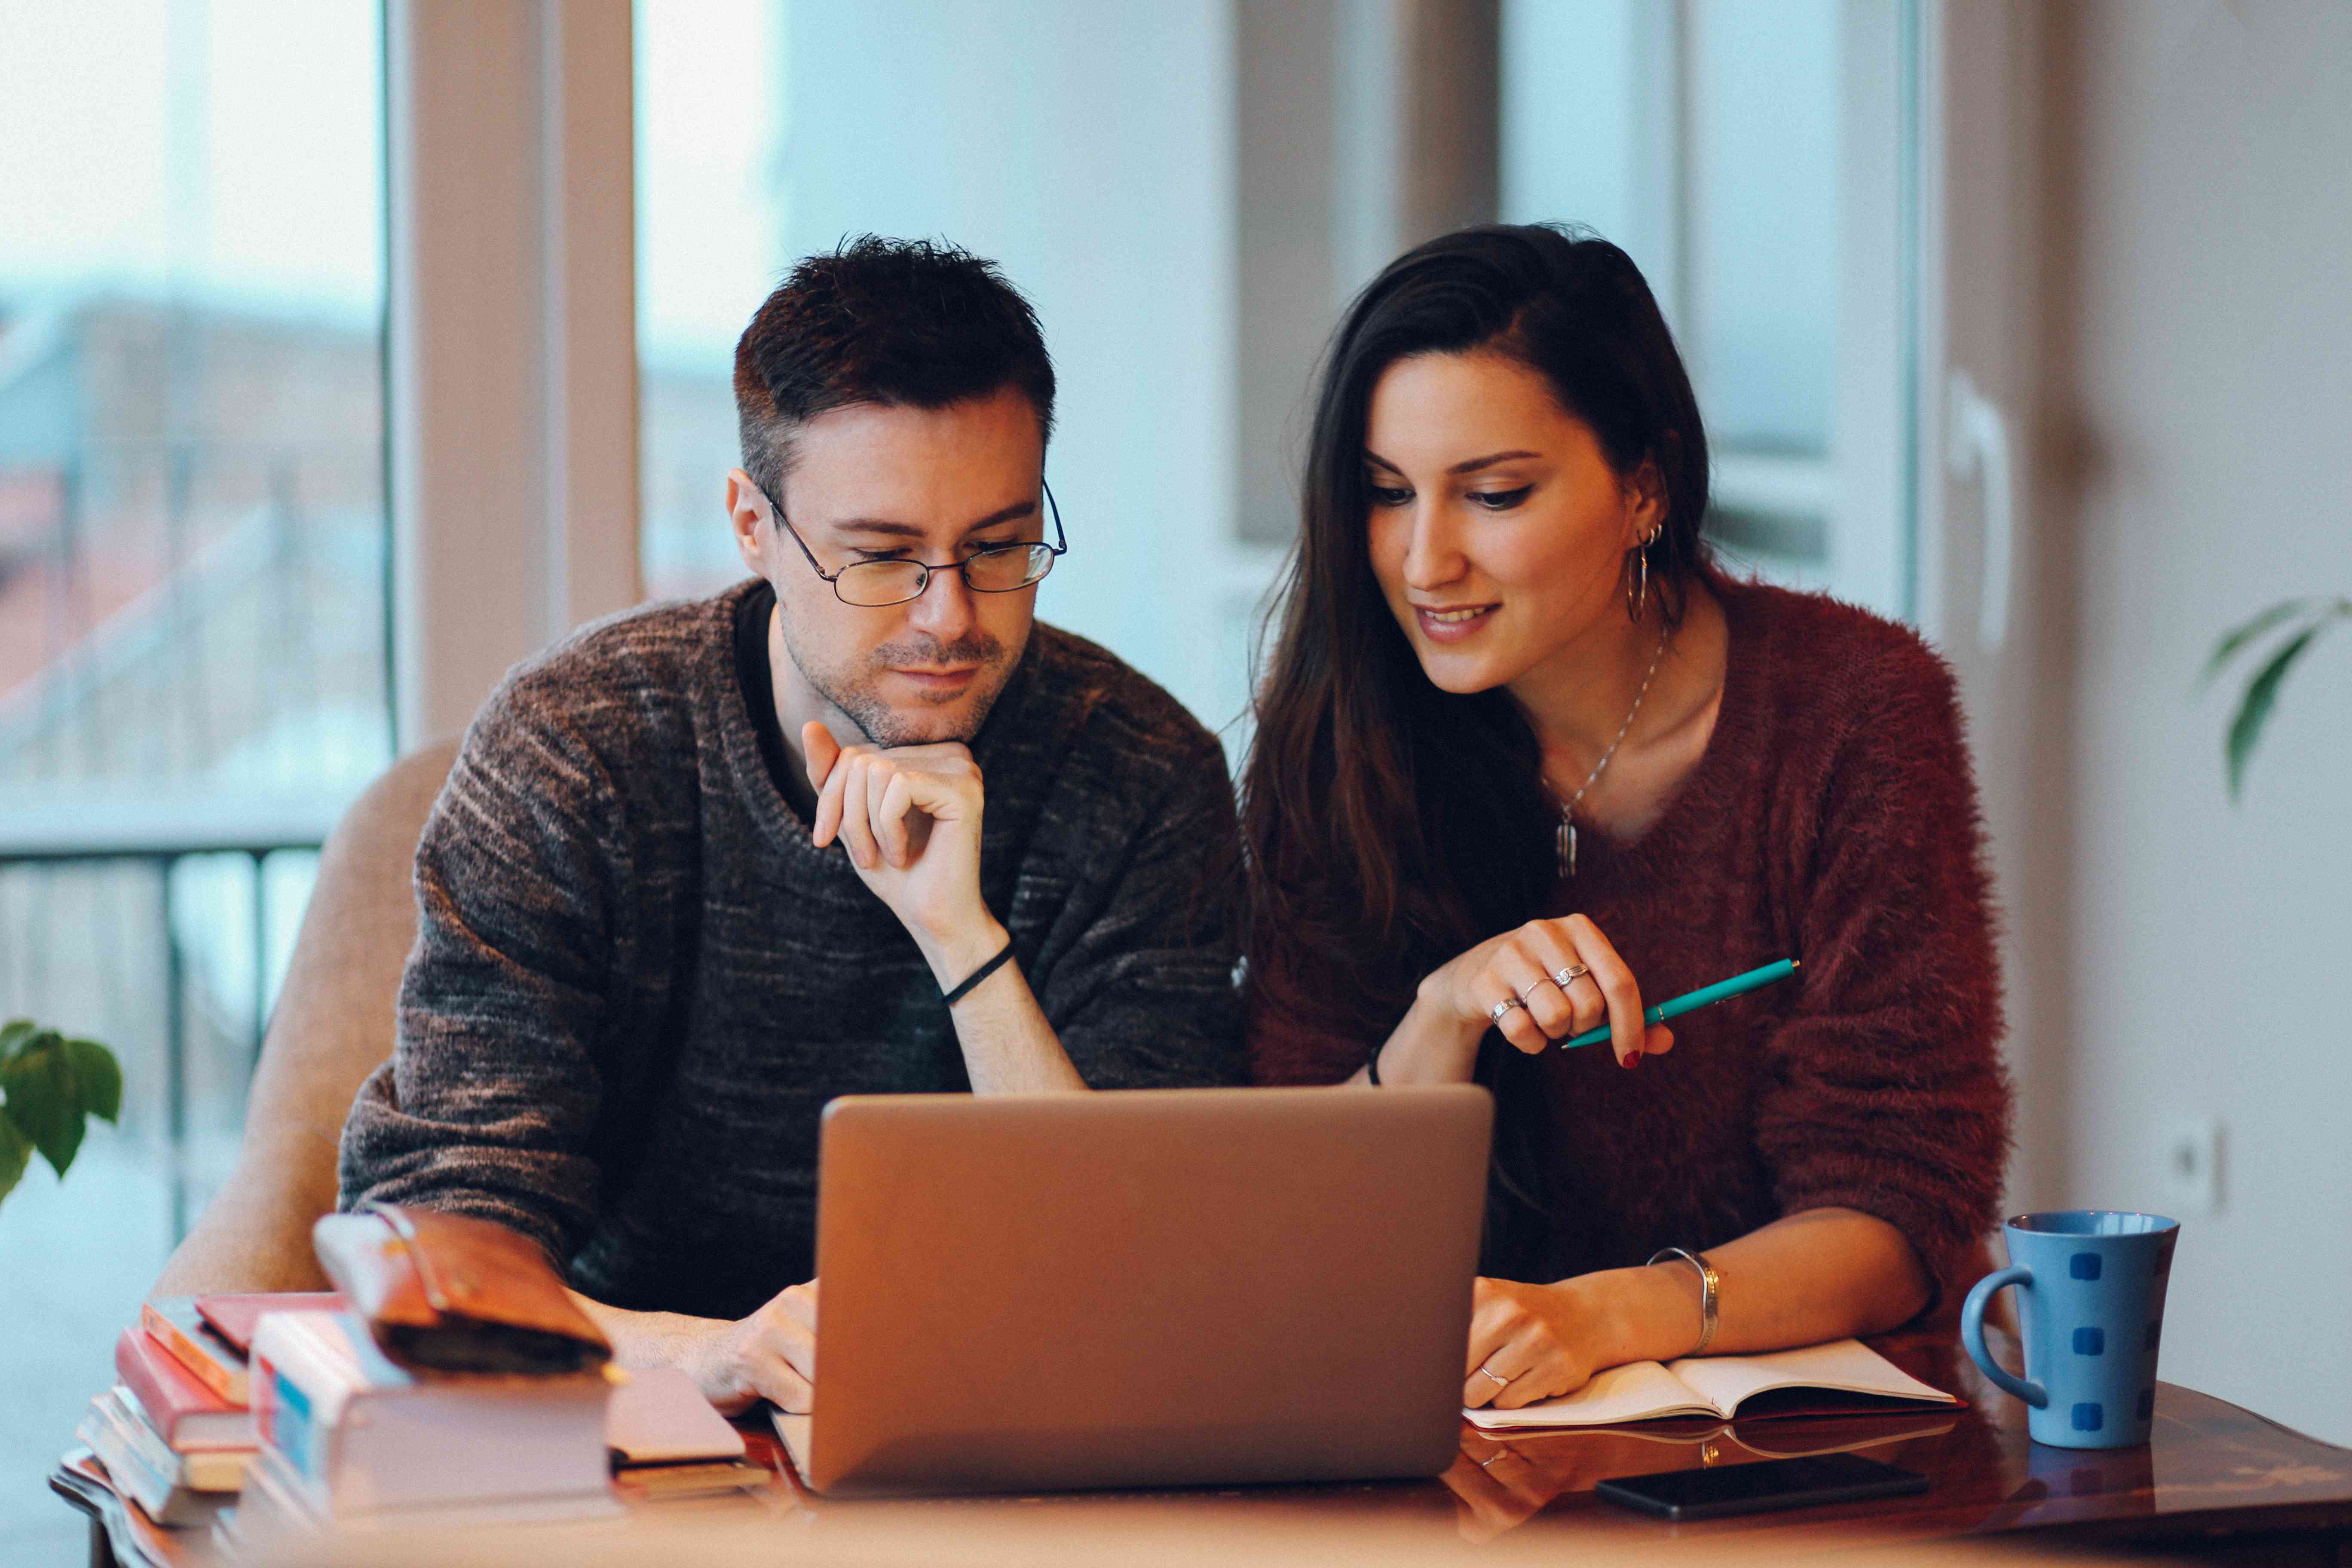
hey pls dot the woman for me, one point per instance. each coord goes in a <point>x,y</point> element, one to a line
<point>1525,758</point>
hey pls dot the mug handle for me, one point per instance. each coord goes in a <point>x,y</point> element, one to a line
<point>1972,1313</point>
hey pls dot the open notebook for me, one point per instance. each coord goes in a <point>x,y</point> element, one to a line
<point>1715,1385</point>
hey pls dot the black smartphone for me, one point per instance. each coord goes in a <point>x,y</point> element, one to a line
<point>1769,1484</point>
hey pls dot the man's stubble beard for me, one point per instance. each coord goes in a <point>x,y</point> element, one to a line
<point>886,724</point>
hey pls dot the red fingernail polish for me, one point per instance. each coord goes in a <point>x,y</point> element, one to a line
<point>1633,1059</point>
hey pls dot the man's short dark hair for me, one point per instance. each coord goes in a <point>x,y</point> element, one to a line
<point>899,322</point>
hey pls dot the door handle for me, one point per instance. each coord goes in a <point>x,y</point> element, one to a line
<point>1977,445</point>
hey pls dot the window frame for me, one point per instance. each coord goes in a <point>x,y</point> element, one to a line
<point>511,342</point>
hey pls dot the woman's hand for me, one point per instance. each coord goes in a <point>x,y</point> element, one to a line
<point>1526,966</point>
<point>1810,1276</point>
<point>1437,1041</point>
<point>1533,1341</point>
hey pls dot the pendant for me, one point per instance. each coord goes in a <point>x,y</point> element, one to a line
<point>1567,841</point>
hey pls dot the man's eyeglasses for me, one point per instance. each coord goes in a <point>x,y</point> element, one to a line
<point>992,568</point>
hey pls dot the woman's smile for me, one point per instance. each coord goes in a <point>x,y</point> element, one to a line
<point>1453,624</point>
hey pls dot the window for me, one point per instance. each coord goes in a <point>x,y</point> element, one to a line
<point>1086,148</point>
<point>711,235</point>
<point>1748,155</point>
<point>192,591</point>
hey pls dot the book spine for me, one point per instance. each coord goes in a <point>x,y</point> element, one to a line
<point>161,1405</point>
<point>159,1455</point>
<point>132,1478</point>
<point>216,1469</point>
<point>125,1404</point>
<point>203,1470</point>
<point>229,1383</point>
<point>145,1472</point>
<point>189,1414</point>
<point>286,1418</point>
<point>300,1389</point>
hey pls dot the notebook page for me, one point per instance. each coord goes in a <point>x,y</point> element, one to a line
<point>659,1417</point>
<point>1846,1366</point>
<point>1634,1391</point>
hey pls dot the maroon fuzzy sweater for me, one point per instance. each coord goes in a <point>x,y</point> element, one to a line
<point>1832,819</point>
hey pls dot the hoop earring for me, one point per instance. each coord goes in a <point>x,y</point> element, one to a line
<point>1637,577</point>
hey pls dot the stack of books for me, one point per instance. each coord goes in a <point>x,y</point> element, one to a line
<point>177,1432</point>
<point>347,1439</point>
<point>284,1407</point>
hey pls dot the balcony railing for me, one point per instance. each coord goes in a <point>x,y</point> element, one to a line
<point>154,841</point>
<point>192,687</point>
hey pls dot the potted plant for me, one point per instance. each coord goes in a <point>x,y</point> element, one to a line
<point>49,1088</point>
<point>2288,630</point>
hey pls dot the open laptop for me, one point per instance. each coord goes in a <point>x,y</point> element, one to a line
<point>1147,1288</point>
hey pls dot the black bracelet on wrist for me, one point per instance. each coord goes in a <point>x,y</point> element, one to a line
<point>1372,1065</point>
<point>983,973</point>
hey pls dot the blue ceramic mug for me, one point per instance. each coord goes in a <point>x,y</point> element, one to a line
<point>2090,1309</point>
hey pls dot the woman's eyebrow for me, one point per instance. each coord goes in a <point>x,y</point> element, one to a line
<point>1475,464</point>
<point>1471,467</point>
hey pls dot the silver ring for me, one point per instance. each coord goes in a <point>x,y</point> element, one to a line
<point>1496,1014</point>
<point>1504,1453</point>
<point>1499,1381</point>
<point>1564,978</point>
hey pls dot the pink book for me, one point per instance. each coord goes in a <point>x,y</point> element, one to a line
<point>183,1412</point>
<point>235,1316</point>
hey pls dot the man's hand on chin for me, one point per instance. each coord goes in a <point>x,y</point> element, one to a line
<point>771,1354</point>
<point>910,819</point>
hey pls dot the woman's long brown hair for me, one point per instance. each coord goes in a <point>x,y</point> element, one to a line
<point>1390,826</point>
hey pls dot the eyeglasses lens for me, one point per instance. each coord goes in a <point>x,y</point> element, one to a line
<point>1003,571</point>
<point>875,583</point>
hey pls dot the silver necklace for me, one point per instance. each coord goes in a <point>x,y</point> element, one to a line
<point>1567,836</point>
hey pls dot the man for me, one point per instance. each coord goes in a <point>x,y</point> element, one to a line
<point>857,825</point>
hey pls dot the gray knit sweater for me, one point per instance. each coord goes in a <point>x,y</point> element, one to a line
<point>636,983</point>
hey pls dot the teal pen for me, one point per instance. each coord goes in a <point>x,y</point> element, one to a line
<point>1737,986</point>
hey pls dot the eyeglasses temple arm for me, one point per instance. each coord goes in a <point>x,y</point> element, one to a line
<point>1061,539</point>
<point>781,522</point>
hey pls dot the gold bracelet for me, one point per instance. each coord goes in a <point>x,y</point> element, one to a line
<point>1707,1286</point>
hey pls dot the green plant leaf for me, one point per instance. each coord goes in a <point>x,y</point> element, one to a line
<point>98,1078</point>
<point>2254,708</point>
<point>16,1153</point>
<point>2247,631</point>
<point>15,1033</point>
<point>42,1102</point>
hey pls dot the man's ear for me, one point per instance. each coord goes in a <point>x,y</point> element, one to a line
<point>745,512</point>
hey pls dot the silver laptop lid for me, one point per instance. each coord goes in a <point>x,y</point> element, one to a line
<point>1160,1287</point>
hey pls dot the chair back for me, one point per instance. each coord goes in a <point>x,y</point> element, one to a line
<point>333,1025</point>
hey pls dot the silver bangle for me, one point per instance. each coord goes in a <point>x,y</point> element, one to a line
<point>1708,1286</point>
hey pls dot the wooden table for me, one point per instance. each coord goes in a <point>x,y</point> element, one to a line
<point>2212,1475</point>
<point>2216,1483</point>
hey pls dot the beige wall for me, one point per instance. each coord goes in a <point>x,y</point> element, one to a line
<point>2196,436</point>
